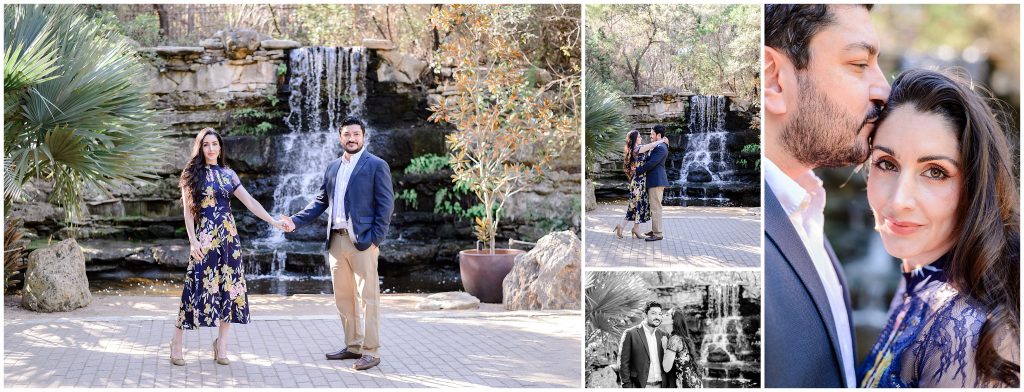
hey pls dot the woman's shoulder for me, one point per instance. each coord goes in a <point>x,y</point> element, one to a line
<point>946,302</point>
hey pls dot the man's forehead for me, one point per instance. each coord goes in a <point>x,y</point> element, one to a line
<point>851,30</point>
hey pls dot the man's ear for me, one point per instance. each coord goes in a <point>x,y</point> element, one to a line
<point>777,71</point>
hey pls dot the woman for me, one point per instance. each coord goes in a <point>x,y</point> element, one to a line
<point>943,193</point>
<point>215,290</point>
<point>639,209</point>
<point>680,360</point>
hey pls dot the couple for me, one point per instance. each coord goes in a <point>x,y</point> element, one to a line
<point>941,187</point>
<point>357,190</point>
<point>672,363</point>
<point>645,167</point>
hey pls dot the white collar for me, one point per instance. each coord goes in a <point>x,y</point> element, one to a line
<point>355,157</point>
<point>794,195</point>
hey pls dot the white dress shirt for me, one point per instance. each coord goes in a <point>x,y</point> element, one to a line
<point>803,199</point>
<point>340,185</point>
<point>654,372</point>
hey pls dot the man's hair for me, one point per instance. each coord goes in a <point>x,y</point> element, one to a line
<point>790,27</point>
<point>660,130</point>
<point>353,120</point>
<point>652,304</point>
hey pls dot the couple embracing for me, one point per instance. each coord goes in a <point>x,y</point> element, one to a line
<point>940,184</point>
<point>645,167</point>
<point>357,194</point>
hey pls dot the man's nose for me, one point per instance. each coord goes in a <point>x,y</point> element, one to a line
<point>879,89</point>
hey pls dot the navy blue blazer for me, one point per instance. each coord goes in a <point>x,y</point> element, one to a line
<point>655,167</point>
<point>369,201</point>
<point>801,345</point>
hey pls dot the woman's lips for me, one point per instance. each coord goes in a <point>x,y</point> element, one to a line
<point>901,228</point>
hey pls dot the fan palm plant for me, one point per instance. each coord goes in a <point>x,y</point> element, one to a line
<point>614,301</point>
<point>76,113</point>
<point>606,125</point>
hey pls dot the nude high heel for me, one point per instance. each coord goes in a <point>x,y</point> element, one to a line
<point>176,361</point>
<point>216,355</point>
<point>618,231</point>
<point>636,234</point>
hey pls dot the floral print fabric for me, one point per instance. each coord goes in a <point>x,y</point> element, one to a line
<point>639,209</point>
<point>215,289</point>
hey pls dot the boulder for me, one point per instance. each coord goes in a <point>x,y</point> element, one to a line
<point>55,280</point>
<point>547,277</point>
<point>604,377</point>
<point>699,175</point>
<point>454,300</point>
<point>591,196</point>
<point>239,43</point>
<point>399,68</point>
<point>276,44</point>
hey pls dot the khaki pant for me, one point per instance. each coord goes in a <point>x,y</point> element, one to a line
<point>654,196</point>
<point>356,294</point>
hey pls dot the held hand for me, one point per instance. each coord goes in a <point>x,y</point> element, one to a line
<point>287,223</point>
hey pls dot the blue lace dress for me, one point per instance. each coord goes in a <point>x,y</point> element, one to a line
<point>215,289</point>
<point>931,336</point>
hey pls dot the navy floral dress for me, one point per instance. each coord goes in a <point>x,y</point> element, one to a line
<point>639,208</point>
<point>215,285</point>
<point>931,337</point>
<point>684,373</point>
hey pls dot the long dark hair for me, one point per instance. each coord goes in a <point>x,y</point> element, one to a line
<point>191,182</point>
<point>985,259</point>
<point>679,328</point>
<point>631,138</point>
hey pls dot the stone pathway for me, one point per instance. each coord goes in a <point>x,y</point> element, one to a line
<point>695,237</point>
<point>480,348</point>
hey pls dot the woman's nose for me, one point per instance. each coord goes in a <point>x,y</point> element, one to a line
<point>903,197</point>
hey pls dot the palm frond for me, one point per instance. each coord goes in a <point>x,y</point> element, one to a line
<point>89,121</point>
<point>614,299</point>
<point>606,124</point>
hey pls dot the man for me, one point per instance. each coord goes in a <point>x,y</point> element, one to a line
<point>823,92</point>
<point>657,180</point>
<point>641,351</point>
<point>357,193</point>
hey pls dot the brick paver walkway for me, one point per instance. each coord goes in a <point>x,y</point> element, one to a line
<point>695,237</point>
<point>421,349</point>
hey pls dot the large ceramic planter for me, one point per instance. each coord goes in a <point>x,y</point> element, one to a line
<point>483,272</point>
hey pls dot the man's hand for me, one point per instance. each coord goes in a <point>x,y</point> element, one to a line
<point>289,225</point>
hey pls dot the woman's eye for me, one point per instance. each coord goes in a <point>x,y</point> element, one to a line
<point>883,164</point>
<point>936,174</point>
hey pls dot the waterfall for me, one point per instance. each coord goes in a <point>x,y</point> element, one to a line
<point>327,84</point>
<point>725,325</point>
<point>706,159</point>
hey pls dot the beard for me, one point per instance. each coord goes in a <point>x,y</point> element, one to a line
<point>352,150</point>
<point>821,133</point>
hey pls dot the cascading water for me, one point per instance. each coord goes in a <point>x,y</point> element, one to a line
<point>327,84</point>
<point>724,341</point>
<point>706,159</point>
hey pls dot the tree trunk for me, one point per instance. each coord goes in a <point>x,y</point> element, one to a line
<point>165,22</point>
<point>437,37</point>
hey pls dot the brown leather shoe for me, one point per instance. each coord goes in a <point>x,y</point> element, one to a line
<point>366,362</point>
<point>342,354</point>
<point>654,238</point>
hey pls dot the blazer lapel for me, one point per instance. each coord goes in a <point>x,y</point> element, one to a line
<point>780,230</point>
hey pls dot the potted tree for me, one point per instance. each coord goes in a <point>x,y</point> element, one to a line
<point>508,130</point>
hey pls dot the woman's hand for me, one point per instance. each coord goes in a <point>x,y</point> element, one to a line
<point>196,250</point>
<point>279,224</point>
